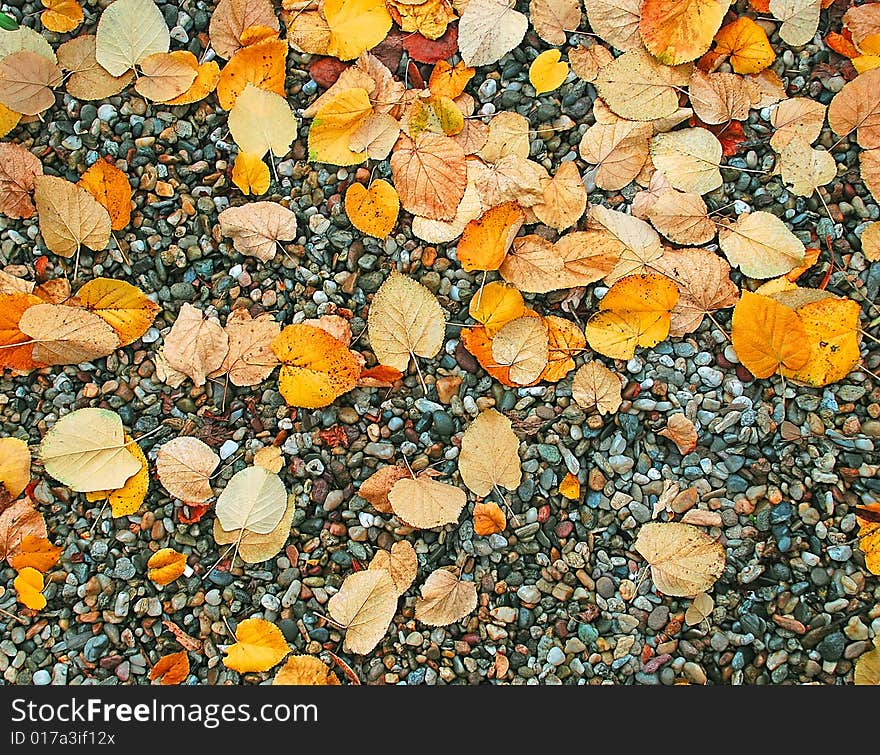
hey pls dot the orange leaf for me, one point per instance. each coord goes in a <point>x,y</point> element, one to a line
<point>171,669</point>
<point>109,185</point>
<point>842,43</point>
<point>768,335</point>
<point>61,16</point>
<point>488,519</point>
<point>13,356</point>
<point>570,487</point>
<point>448,80</point>
<point>746,45</point>
<point>372,211</point>
<point>207,76</point>
<point>677,31</point>
<point>380,376</point>
<point>262,64</point>
<point>165,566</point>
<point>36,552</point>
<point>29,586</point>
<point>486,240</point>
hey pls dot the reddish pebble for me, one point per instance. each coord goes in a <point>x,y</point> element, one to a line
<point>564,529</point>
<point>544,513</point>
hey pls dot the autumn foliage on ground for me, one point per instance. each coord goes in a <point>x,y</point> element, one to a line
<point>676,81</point>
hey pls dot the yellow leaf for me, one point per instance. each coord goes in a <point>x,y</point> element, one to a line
<point>634,312</point>
<point>126,500</point>
<point>8,119</point>
<point>129,31</point>
<point>495,305</point>
<point>488,519</point>
<point>15,465</point>
<point>429,17</point>
<point>489,457</point>
<point>262,65</point>
<point>316,368</point>
<point>435,113</point>
<point>334,125</point>
<point>547,72</point>
<point>61,16</point>
<point>122,306</point>
<point>689,159</point>
<point>165,566</point>
<point>768,335</point>
<point>372,211</point>
<point>262,121</point>
<point>832,330</point>
<point>805,168</point>
<point>29,588</point>
<point>259,646</point>
<point>250,173</point>
<point>485,241</point>
<point>207,78</point>
<point>570,488</point>
<point>761,245</point>
<point>746,45</point>
<point>355,26</point>
<point>305,670</point>
<point>684,560</point>
<point>35,552</point>
<point>676,31</point>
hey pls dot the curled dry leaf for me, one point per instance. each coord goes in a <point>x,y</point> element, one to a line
<point>87,451</point>
<point>681,431</point>
<point>445,599</point>
<point>424,503</point>
<point>400,562</point>
<point>489,455</point>
<point>67,335</point>
<point>316,368</point>
<point>523,346</point>
<point>259,646</point>
<point>254,499</point>
<point>364,606</point>
<point>377,486</point>
<point>257,228</point>
<point>761,245</point>
<point>405,321</point>
<point>124,307</point>
<point>489,519</point>
<point>129,31</point>
<point>196,345</point>
<point>18,169</point>
<point>305,670</point>
<point>70,217</point>
<point>768,335</point>
<point>430,175</point>
<point>254,547</point>
<point>19,521</point>
<point>166,565</point>
<point>171,669</point>
<point>184,466</point>
<point>596,387</point>
<point>700,609</point>
<point>486,240</point>
<point>88,79</point>
<point>684,560</point>
<point>232,18</point>
<point>15,465</point>
<point>250,358</point>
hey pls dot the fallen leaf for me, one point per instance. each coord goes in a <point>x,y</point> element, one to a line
<point>689,159</point>
<point>586,61</point>
<point>26,82</point>
<point>196,345</point>
<point>496,304</point>
<point>596,387</point>
<point>424,503</point>
<point>171,669</point>
<point>253,547</point>
<point>259,646</point>
<point>676,31</point>
<point>638,246</point>
<point>305,670</point>
<point>29,588</point>
<point>805,169</point>
<point>565,341</point>
<point>129,31</point>
<point>684,560</point>
<point>18,169</point>
<point>18,521</point>
<point>184,466</point>
<point>485,240</point>
<point>489,457</point>
<point>372,211</point>
<point>488,30</point>
<point>375,136</point>
<point>315,367</point>
<point>250,359</point>
<point>261,122</point>
<point>445,599</point>
<point>254,499</point>
<point>430,175</point>
<point>88,79</point>
<point>570,487</point>
<point>400,562</point>
<point>718,98</point>
<point>164,76</point>
<point>70,217</point>
<point>745,45</point>
<point>205,82</point>
<point>87,451</point>
<point>250,174</point>
<point>871,242</point>
<point>67,335</point>
<point>797,118</point>
<point>16,347</point>
<point>230,20</point>
<point>270,458</point>
<point>109,185</point>
<point>429,18</point>
<point>522,345</point>
<point>856,107</point>
<point>376,487</point>
<point>616,21</point>
<point>699,610</point>
<point>405,321</point>
<point>166,565</point>
<point>564,199</point>
<point>800,19</point>
<point>619,150</point>
<point>867,670</point>
<point>547,72</point>
<point>364,606</point>
<point>36,553</point>
<point>768,335</point>
<point>450,80</point>
<point>508,135</point>
<point>126,500</point>
<point>869,535</point>
<point>553,18</point>
<point>355,26</point>
<point>257,228</point>
<point>61,16</point>
<point>489,519</point>
<point>15,465</point>
<point>681,431</point>
<point>682,218</point>
<point>761,245</point>
<point>124,307</point>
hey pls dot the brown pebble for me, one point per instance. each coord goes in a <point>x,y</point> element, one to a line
<point>447,387</point>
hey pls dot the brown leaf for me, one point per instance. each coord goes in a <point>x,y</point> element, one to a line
<point>376,487</point>
<point>70,217</point>
<point>682,218</point>
<point>445,599</point>
<point>196,345</point>
<point>231,18</point>
<point>595,386</point>
<point>18,168</point>
<point>400,562</point>
<point>88,79</point>
<point>721,97</point>
<point>26,81</point>
<point>164,76</point>
<point>681,431</point>
<point>250,359</point>
<point>364,605</point>
<point>67,335</point>
<point>18,521</point>
<point>619,149</point>
<point>424,503</point>
<point>430,175</point>
<point>184,466</point>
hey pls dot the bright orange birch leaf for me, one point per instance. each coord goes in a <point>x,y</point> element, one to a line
<point>566,341</point>
<point>486,240</point>
<point>122,306</point>
<point>570,488</point>
<point>768,335</point>
<point>61,16</point>
<point>12,355</point>
<point>171,669</point>
<point>35,552</point>
<point>448,80</point>
<point>676,31</point>
<point>262,64</point>
<point>165,566</point>
<point>109,185</point>
<point>29,587</point>
<point>746,46</point>
<point>373,211</point>
<point>489,519</point>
